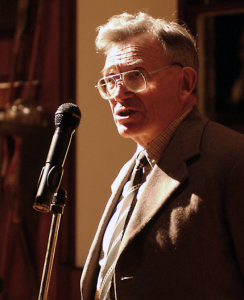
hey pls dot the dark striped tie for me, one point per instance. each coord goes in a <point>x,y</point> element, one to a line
<point>126,211</point>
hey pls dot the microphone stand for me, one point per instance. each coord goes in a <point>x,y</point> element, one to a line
<point>57,208</point>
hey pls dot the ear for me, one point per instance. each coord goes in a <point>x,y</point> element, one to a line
<point>188,82</point>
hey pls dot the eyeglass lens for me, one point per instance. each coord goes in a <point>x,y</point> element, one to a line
<point>133,80</point>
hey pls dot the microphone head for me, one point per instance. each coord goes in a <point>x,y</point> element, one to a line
<point>68,115</point>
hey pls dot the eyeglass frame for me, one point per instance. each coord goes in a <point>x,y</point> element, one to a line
<point>121,78</point>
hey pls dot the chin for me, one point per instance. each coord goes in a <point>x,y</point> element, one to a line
<point>123,130</point>
<point>124,133</point>
<point>127,132</point>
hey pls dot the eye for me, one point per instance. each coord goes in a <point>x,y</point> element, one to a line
<point>133,75</point>
<point>141,71</point>
<point>109,80</point>
<point>136,73</point>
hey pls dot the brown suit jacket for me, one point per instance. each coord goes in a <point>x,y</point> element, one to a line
<point>185,239</point>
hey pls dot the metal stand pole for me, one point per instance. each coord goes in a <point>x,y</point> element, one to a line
<point>57,208</point>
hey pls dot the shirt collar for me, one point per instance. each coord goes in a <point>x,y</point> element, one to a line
<point>155,149</point>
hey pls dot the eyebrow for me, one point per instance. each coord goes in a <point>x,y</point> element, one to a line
<point>131,63</point>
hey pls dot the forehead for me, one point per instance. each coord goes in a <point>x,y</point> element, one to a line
<point>141,49</point>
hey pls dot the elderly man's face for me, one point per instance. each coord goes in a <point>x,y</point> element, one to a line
<point>144,115</point>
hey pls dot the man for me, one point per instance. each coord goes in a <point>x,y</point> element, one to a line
<point>183,237</point>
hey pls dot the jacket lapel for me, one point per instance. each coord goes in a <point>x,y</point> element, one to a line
<point>167,175</point>
<point>157,191</point>
<point>91,268</point>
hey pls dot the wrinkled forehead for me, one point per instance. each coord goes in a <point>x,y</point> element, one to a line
<point>132,52</point>
<point>122,56</point>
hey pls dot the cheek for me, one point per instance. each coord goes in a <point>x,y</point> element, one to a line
<point>163,96</point>
<point>154,101</point>
<point>147,106</point>
<point>112,104</point>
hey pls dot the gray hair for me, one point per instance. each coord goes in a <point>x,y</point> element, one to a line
<point>177,42</point>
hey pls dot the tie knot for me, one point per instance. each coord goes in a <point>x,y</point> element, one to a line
<point>142,159</point>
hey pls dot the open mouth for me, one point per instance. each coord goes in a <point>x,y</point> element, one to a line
<point>125,113</point>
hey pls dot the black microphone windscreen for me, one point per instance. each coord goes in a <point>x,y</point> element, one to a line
<point>68,115</point>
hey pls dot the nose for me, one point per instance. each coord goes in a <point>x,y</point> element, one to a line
<point>121,92</point>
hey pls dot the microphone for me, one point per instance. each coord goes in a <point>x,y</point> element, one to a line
<point>67,119</point>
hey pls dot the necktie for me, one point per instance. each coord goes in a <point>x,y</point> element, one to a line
<point>123,219</point>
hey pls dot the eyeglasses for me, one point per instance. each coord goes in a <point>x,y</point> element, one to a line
<point>134,80</point>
